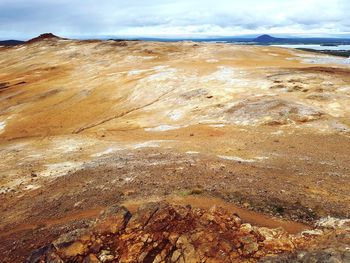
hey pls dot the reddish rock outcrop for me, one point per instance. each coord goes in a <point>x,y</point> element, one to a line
<point>160,232</point>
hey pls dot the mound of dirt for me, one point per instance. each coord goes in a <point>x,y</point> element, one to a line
<point>270,111</point>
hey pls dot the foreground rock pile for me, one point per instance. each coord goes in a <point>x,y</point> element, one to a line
<point>160,232</point>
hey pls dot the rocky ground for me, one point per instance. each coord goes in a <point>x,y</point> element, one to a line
<point>172,152</point>
<point>159,232</point>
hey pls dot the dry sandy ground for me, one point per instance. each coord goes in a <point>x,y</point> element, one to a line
<point>88,124</point>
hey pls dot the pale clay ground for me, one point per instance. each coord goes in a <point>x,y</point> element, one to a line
<point>70,102</point>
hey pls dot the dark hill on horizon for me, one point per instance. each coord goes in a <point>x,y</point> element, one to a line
<point>43,37</point>
<point>33,40</point>
<point>266,39</point>
<point>11,42</point>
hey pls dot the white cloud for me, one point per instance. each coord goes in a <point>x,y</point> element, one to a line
<point>172,17</point>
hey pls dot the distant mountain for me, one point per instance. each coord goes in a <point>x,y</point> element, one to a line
<point>11,42</point>
<point>43,37</point>
<point>33,40</point>
<point>266,39</point>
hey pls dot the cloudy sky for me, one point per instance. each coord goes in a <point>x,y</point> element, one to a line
<point>23,19</point>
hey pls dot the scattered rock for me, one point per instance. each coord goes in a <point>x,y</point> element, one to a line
<point>160,232</point>
<point>333,223</point>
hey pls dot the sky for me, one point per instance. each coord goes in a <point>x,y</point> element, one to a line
<point>24,19</point>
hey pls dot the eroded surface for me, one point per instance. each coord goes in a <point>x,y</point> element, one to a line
<point>86,125</point>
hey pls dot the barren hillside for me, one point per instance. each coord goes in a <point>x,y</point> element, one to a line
<point>255,138</point>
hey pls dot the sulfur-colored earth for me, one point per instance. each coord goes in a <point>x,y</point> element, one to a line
<point>263,132</point>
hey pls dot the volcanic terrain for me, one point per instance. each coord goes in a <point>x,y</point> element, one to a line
<point>132,151</point>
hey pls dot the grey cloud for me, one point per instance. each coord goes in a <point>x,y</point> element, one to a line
<point>23,18</point>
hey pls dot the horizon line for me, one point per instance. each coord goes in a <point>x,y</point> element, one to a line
<point>187,36</point>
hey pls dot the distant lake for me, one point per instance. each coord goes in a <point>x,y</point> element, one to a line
<point>317,47</point>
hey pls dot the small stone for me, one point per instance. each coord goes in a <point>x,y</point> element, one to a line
<point>106,256</point>
<point>246,205</point>
<point>176,255</point>
<point>250,248</point>
<point>173,238</point>
<point>157,259</point>
<point>246,228</point>
<point>96,246</point>
<point>73,250</point>
<point>91,258</point>
<point>146,238</point>
<point>283,244</point>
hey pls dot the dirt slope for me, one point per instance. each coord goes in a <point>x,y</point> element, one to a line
<point>86,125</point>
